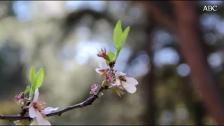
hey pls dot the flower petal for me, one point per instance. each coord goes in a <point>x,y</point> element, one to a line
<point>32,112</point>
<point>129,87</point>
<point>102,70</point>
<point>118,73</point>
<point>41,120</point>
<point>36,95</point>
<point>116,83</point>
<point>98,70</point>
<point>132,81</point>
<point>48,110</point>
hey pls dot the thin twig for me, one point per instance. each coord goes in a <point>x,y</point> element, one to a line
<point>88,101</point>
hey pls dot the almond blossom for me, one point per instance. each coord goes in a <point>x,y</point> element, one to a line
<point>108,73</point>
<point>37,111</point>
<point>118,80</point>
<point>128,83</point>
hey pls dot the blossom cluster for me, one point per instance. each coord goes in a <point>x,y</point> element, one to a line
<point>118,81</point>
<point>113,79</point>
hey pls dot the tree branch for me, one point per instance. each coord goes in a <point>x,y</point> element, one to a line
<point>88,101</point>
<point>160,17</point>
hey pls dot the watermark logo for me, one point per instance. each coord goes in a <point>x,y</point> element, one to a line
<point>210,8</point>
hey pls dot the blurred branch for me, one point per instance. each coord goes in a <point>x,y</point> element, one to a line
<point>6,9</point>
<point>159,16</point>
<point>188,33</point>
<point>72,19</point>
<point>88,101</point>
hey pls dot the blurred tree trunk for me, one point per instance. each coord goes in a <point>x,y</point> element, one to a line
<point>149,92</point>
<point>194,105</point>
<point>149,80</point>
<point>188,33</point>
<point>149,85</point>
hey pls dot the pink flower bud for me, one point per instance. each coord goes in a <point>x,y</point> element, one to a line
<point>19,96</point>
<point>103,53</point>
<point>94,89</point>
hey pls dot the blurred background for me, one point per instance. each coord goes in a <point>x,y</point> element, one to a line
<point>174,49</point>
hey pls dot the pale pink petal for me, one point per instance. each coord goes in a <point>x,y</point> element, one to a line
<point>130,88</point>
<point>94,89</point>
<point>118,73</point>
<point>100,69</point>
<point>48,110</point>
<point>132,81</point>
<point>36,95</point>
<point>116,83</point>
<point>41,120</point>
<point>32,112</point>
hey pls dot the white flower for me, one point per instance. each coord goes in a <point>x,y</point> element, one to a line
<point>128,83</point>
<point>118,79</point>
<point>108,73</point>
<point>36,112</point>
<point>38,118</point>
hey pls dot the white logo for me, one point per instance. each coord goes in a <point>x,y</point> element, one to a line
<point>210,8</point>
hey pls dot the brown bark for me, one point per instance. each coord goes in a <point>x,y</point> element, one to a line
<point>188,33</point>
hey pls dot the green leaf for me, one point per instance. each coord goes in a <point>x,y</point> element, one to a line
<point>36,80</point>
<point>39,77</point>
<point>125,35</point>
<point>32,74</point>
<point>112,56</point>
<point>117,34</point>
<point>28,89</point>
